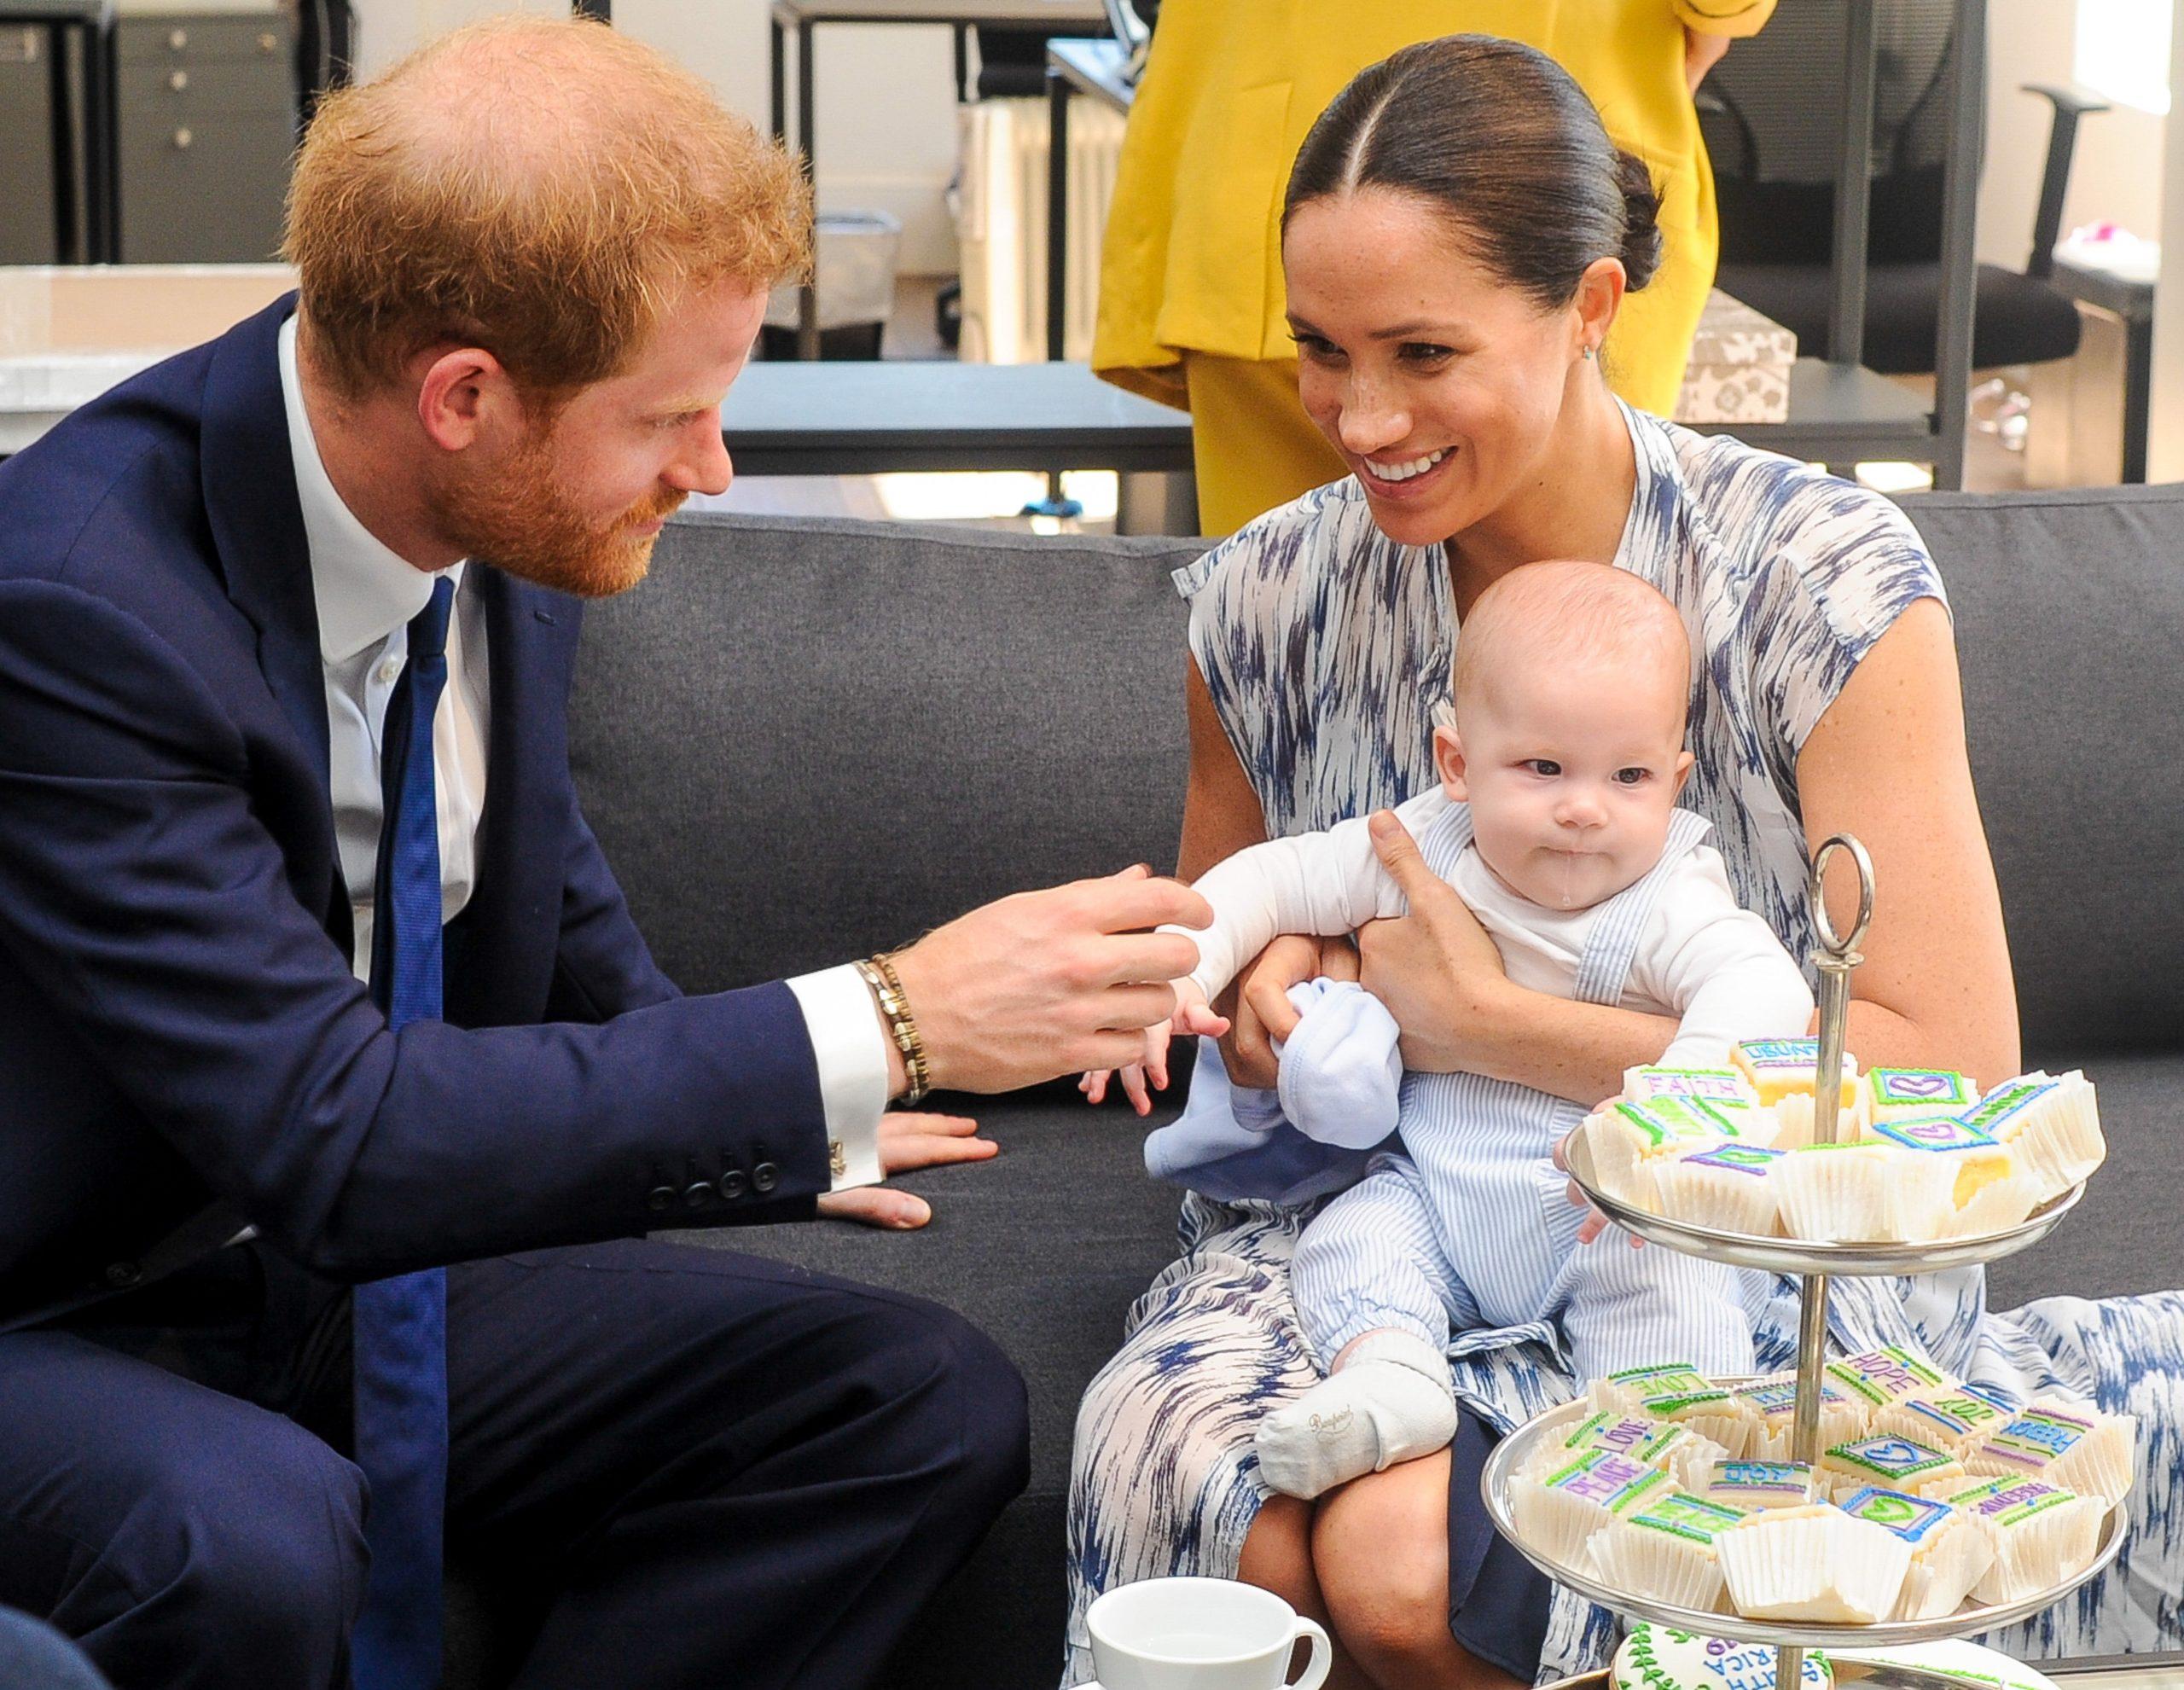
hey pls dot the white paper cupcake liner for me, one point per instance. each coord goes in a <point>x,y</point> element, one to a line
<point>1657,1566</point>
<point>2042,1551</point>
<point>1556,1522</point>
<point>1996,1206</point>
<point>1943,1572</point>
<point>1860,1196</point>
<point>1719,1197</point>
<point>1816,1564</point>
<point>2060,1142</point>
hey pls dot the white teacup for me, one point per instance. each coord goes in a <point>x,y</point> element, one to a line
<point>1200,1633</point>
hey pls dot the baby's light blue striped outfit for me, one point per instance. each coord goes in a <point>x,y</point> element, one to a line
<point>1469,1230</point>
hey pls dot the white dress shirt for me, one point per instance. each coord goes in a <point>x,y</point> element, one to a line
<point>367,595</point>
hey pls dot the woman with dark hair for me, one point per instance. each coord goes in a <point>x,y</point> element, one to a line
<point>1458,236</point>
<point>1190,277</point>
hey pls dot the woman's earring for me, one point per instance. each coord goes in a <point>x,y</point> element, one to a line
<point>1587,353</point>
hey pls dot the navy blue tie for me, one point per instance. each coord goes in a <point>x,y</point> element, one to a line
<point>401,1323</point>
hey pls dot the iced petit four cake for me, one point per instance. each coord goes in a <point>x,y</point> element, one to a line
<point>1881,1378</point>
<point>1684,1455</point>
<point>1862,1191</point>
<point>1814,1563</point>
<point>2054,1124</point>
<point>1896,1463</point>
<point>1774,1409</point>
<point>1627,1139</point>
<point>1665,1550</point>
<point>1989,1193</point>
<point>1949,1553</point>
<point>2042,1535</point>
<point>1660,1657</point>
<point>1942,1418</point>
<point>1776,1068</point>
<point>2062,1444</point>
<point>1724,1185</point>
<point>1561,1510</point>
<point>1754,1487</point>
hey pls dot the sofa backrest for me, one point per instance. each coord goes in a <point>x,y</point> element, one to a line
<point>2069,628</point>
<point>804,740</point>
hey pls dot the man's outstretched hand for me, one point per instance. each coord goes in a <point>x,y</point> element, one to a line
<point>909,1140</point>
<point>1050,983</point>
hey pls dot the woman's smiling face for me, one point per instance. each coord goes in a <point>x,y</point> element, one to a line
<point>1439,383</point>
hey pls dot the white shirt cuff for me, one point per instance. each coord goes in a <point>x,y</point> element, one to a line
<point>851,1047</point>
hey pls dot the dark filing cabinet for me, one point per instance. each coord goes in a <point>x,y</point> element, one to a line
<point>26,224</point>
<point>208,121</point>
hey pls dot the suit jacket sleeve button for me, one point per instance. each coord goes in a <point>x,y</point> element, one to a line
<point>123,1274</point>
<point>698,1195</point>
<point>764,1177</point>
<point>660,1197</point>
<point>733,1184</point>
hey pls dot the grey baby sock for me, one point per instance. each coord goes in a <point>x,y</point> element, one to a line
<point>1389,1402</point>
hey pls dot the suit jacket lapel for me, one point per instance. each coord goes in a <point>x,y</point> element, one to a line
<point>257,521</point>
<point>248,481</point>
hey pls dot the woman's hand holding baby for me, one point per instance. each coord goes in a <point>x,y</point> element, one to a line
<point>1150,1074</point>
<point>1437,969</point>
<point>1260,1012</point>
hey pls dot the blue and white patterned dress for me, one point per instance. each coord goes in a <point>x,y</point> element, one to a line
<point>1326,646</point>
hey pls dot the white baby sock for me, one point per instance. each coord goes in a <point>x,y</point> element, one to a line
<point>1389,1402</point>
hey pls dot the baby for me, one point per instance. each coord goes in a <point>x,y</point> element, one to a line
<point>1556,820</point>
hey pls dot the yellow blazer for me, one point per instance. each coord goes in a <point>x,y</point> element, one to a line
<point>1191,259</point>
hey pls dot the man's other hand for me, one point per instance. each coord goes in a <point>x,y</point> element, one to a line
<point>908,1140</point>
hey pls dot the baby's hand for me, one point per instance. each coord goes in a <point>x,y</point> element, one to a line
<point>1192,1015</point>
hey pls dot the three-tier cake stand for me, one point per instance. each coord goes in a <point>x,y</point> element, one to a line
<point>1815,1264</point>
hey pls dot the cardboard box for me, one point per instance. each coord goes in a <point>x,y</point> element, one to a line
<point>1739,366</point>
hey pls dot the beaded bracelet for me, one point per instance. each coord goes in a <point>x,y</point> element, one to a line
<point>879,974</point>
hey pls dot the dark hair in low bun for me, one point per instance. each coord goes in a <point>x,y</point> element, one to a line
<point>1497,138</point>
<point>1641,252</point>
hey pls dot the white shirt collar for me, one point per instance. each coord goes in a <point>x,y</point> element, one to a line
<point>365,591</point>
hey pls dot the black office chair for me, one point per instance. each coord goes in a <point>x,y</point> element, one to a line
<point>1775,172</point>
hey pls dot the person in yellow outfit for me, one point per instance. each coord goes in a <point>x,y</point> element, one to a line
<point>1191,302</point>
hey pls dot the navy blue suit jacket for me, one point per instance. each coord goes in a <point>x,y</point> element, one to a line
<point>178,1020</point>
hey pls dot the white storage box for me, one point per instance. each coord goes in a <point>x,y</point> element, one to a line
<point>857,251</point>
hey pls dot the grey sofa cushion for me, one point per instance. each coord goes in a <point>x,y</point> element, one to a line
<point>802,741</point>
<point>2069,623</point>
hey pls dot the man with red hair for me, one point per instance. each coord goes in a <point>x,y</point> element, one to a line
<point>340,1086</point>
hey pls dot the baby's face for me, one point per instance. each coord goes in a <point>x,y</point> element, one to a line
<point>1570,772</point>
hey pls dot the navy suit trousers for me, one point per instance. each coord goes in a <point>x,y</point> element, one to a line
<point>694,1467</point>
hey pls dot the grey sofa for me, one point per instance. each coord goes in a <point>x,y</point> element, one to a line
<point>804,740</point>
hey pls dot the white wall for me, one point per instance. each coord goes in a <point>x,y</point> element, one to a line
<point>887,96</point>
<point>2165,434</point>
<point>2116,174</point>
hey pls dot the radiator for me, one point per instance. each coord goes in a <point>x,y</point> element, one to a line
<point>1001,221</point>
